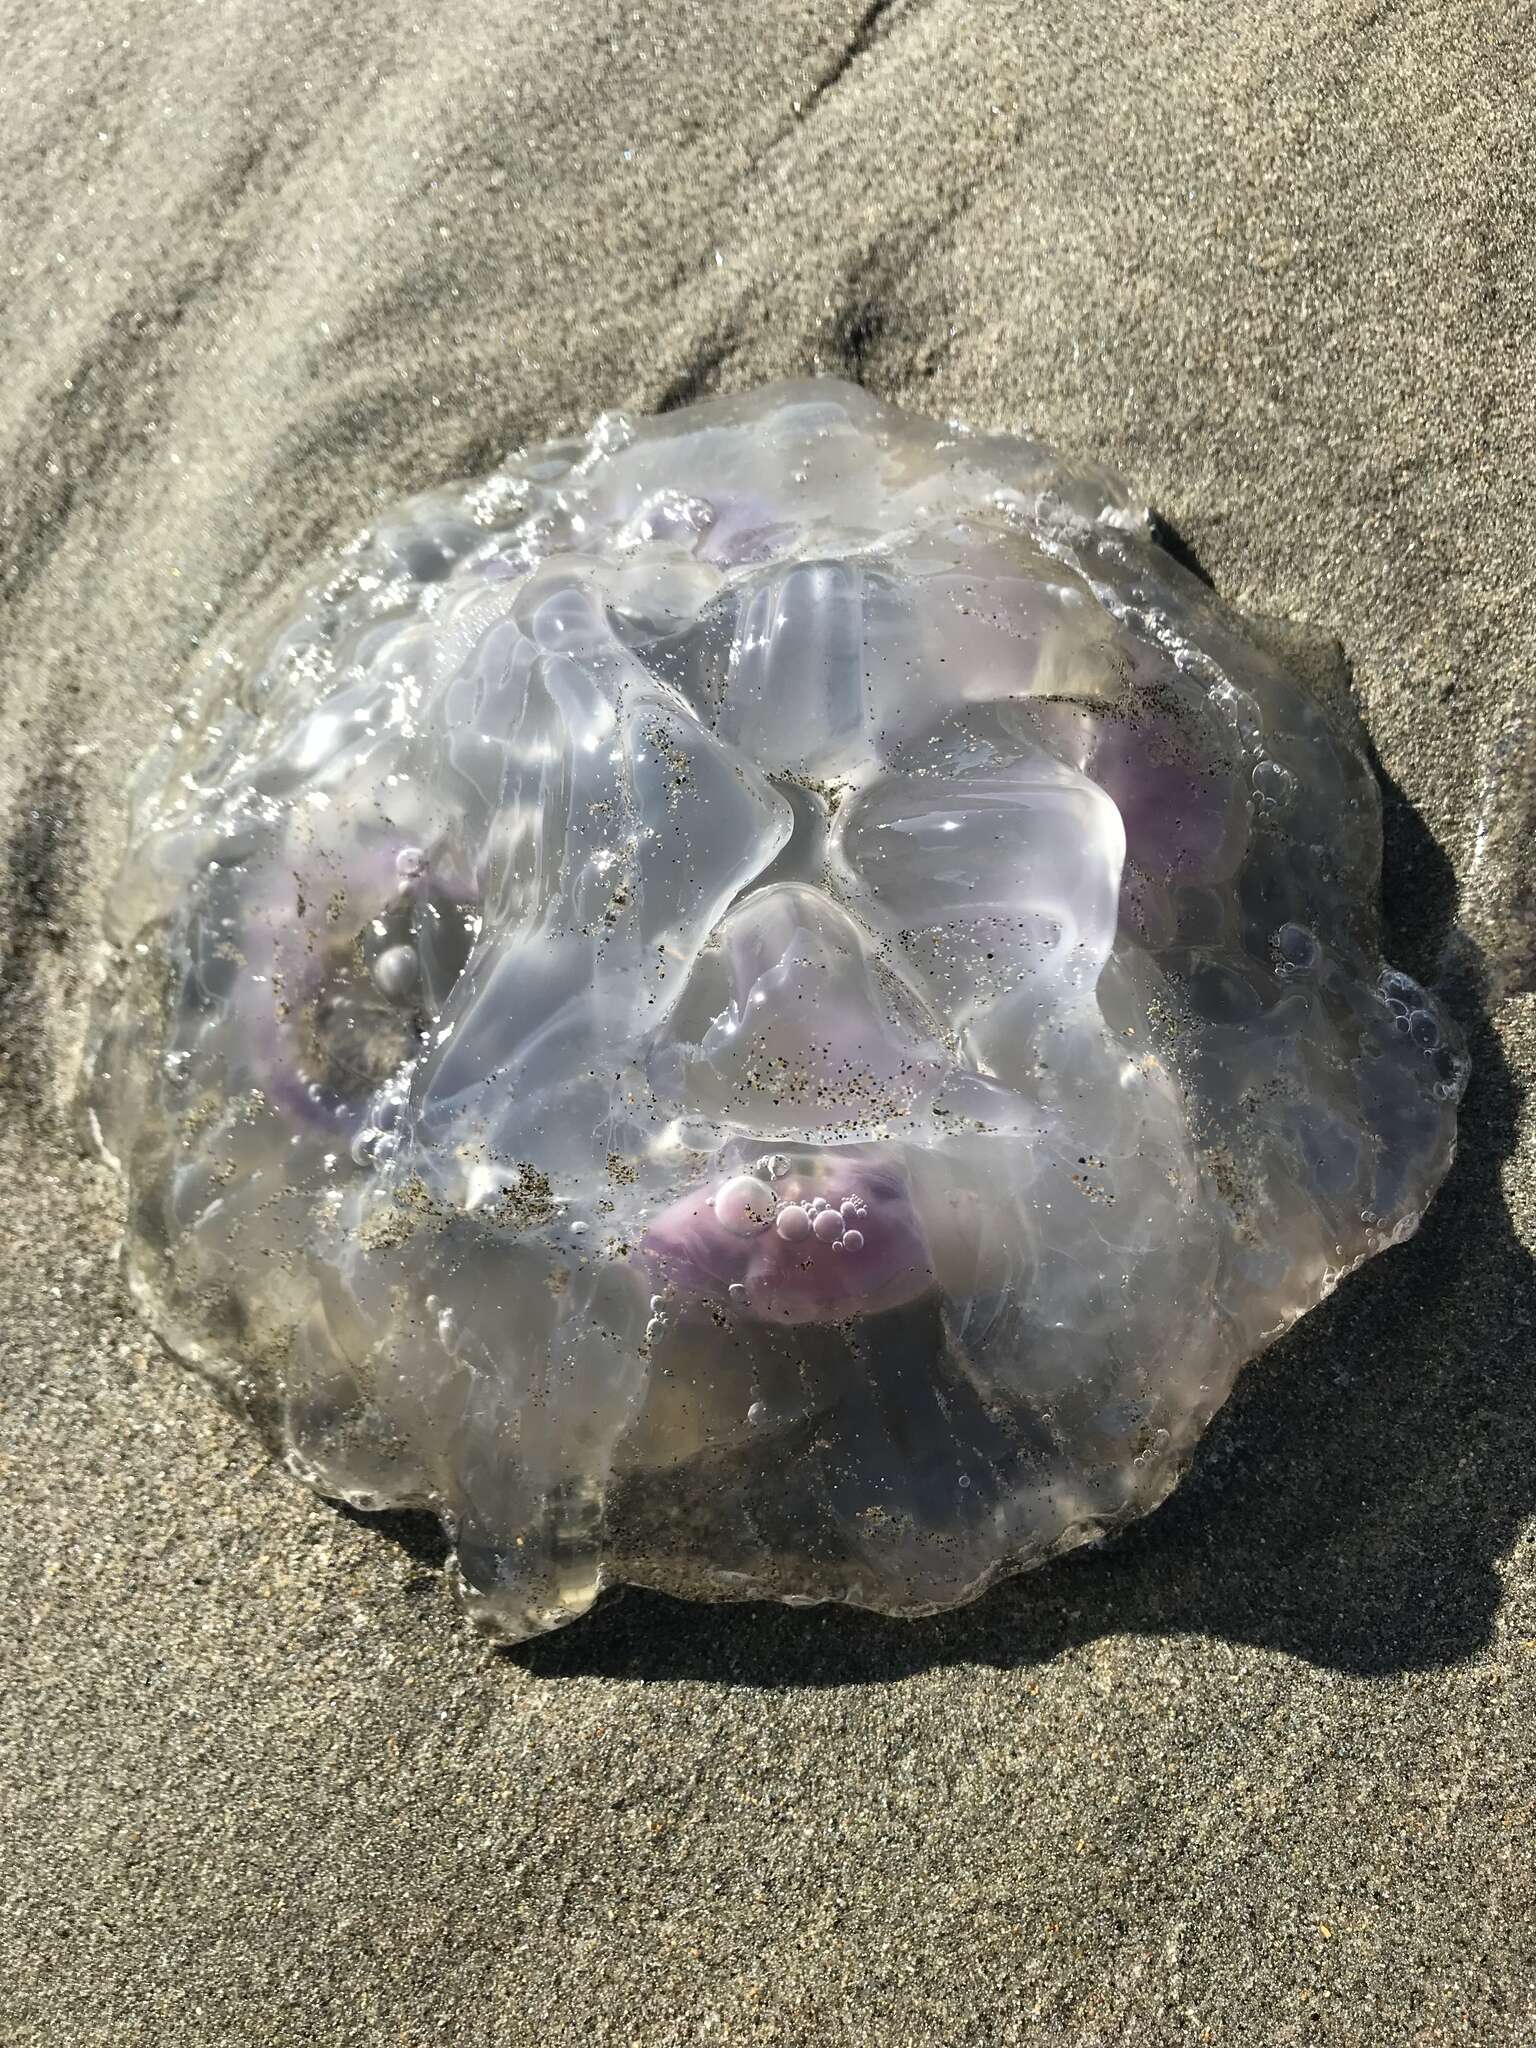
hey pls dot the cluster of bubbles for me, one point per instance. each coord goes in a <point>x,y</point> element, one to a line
<point>748,1204</point>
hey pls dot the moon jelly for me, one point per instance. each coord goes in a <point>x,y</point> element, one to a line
<point>768,1002</point>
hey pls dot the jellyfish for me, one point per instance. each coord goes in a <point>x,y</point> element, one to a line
<point>769,1002</point>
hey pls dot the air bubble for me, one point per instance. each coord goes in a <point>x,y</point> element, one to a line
<point>745,1205</point>
<point>1296,946</point>
<point>1273,783</point>
<point>396,971</point>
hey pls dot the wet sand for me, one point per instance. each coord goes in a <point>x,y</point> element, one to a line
<point>1260,1772</point>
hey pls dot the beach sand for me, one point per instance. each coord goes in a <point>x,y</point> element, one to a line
<point>1261,1771</point>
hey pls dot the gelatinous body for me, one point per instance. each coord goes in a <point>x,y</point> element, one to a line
<point>769,1002</point>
